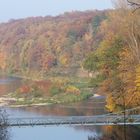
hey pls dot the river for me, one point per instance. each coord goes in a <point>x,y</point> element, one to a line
<point>94,106</point>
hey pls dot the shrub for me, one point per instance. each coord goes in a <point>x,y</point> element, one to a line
<point>72,89</point>
<point>36,91</point>
<point>54,90</point>
<point>24,89</point>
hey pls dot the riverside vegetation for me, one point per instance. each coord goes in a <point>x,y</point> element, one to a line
<point>54,90</point>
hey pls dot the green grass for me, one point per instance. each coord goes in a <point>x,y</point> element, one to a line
<point>80,85</point>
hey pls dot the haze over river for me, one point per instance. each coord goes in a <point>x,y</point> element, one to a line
<point>94,106</point>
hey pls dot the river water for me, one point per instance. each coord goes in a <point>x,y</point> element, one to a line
<point>93,106</point>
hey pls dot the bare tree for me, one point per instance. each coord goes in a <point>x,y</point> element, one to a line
<point>135,4</point>
<point>3,125</point>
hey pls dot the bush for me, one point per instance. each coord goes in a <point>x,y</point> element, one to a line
<point>24,89</point>
<point>73,90</point>
<point>54,90</point>
<point>36,91</point>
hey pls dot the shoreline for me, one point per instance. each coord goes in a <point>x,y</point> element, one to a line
<point>30,105</point>
<point>4,102</point>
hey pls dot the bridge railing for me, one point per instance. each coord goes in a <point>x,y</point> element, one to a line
<point>131,111</point>
<point>94,120</point>
<point>105,119</point>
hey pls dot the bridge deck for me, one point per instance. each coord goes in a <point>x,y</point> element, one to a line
<point>75,120</point>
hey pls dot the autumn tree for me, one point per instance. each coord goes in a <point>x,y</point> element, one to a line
<point>117,58</point>
<point>129,59</point>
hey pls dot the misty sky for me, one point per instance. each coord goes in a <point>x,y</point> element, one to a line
<point>14,9</point>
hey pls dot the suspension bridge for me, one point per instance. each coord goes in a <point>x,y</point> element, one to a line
<point>132,117</point>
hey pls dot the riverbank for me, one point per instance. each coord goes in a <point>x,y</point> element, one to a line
<point>54,90</point>
<point>4,102</point>
<point>8,101</point>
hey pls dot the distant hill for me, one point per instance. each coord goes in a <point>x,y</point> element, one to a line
<point>46,44</point>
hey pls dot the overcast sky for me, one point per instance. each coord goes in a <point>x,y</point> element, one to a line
<point>14,9</point>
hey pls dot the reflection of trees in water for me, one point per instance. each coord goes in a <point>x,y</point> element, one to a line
<point>89,128</point>
<point>93,138</point>
<point>3,126</point>
<point>95,130</point>
<point>117,133</point>
<point>111,132</point>
<point>83,108</point>
<point>61,110</point>
<point>4,133</point>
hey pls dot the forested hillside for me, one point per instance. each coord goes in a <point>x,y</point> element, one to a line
<point>49,44</point>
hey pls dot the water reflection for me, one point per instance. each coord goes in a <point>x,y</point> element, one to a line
<point>117,133</point>
<point>75,133</point>
<point>4,133</point>
<point>49,133</point>
<point>84,108</point>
